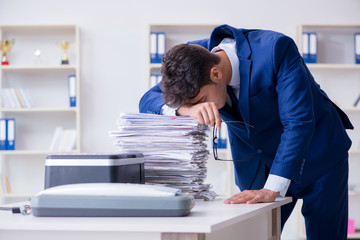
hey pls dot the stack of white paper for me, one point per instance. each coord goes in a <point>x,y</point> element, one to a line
<point>174,149</point>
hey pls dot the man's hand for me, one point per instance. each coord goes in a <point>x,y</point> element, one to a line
<point>253,196</point>
<point>205,113</point>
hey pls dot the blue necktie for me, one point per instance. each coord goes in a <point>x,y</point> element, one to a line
<point>234,103</point>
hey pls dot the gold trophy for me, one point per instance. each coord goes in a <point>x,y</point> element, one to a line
<point>5,47</point>
<point>64,45</point>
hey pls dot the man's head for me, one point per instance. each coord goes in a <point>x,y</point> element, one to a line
<point>186,70</point>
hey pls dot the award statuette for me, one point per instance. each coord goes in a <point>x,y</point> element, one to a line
<point>5,47</point>
<point>38,60</point>
<point>64,45</point>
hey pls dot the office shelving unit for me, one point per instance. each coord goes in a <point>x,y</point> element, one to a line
<point>339,76</point>
<point>47,83</point>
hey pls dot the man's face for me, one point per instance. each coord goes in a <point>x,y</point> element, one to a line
<point>215,93</point>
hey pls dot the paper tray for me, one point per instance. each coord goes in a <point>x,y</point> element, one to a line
<point>90,205</point>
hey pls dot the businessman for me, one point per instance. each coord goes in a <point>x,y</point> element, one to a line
<point>294,141</point>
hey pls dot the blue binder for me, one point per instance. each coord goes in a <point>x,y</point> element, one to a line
<point>357,47</point>
<point>222,135</point>
<point>153,47</point>
<point>157,46</point>
<point>72,90</point>
<point>305,47</point>
<point>10,141</point>
<point>3,134</point>
<point>160,46</point>
<point>222,139</point>
<point>313,47</point>
<point>153,80</point>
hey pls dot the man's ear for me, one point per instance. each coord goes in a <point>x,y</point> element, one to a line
<point>215,74</point>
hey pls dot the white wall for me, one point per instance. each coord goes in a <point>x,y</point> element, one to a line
<point>114,41</point>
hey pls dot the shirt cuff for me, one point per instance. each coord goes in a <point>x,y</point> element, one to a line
<point>277,184</point>
<point>168,111</point>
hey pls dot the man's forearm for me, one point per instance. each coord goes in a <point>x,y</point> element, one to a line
<point>182,111</point>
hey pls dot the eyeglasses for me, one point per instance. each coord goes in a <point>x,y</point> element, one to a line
<point>215,143</point>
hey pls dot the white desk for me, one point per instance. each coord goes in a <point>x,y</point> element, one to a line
<point>208,220</point>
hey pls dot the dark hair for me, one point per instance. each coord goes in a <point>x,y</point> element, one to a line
<point>185,69</point>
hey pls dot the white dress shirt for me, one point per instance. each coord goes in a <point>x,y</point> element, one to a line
<point>228,45</point>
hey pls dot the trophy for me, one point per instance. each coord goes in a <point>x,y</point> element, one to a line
<point>64,45</point>
<point>37,54</point>
<point>5,47</point>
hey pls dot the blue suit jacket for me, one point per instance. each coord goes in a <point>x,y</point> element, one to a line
<point>298,132</point>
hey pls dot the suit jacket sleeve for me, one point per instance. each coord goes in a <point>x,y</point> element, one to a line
<point>151,101</point>
<point>295,108</point>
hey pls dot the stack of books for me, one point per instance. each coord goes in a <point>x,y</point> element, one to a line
<point>15,98</point>
<point>174,148</point>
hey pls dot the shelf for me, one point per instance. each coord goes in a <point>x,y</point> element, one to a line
<point>351,109</point>
<point>354,151</point>
<point>32,152</point>
<point>40,67</point>
<point>155,65</point>
<point>353,193</point>
<point>47,81</point>
<point>329,66</point>
<point>40,109</point>
<point>356,235</point>
<point>36,27</point>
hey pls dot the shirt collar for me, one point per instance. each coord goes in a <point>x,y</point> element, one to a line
<point>229,46</point>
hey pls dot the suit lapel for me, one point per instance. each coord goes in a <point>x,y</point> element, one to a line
<point>245,66</point>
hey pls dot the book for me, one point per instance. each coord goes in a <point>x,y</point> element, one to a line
<point>72,90</point>
<point>26,96</point>
<point>157,46</point>
<point>357,47</point>
<point>10,138</point>
<point>9,98</point>
<point>4,100</point>
<point>71,141</point>
<point>222,143</point>
<point>7,184</point>
<point>153,47</point>
<point>2,190</point>
<point>313,47</point>
<point>3,133</point>
<point>14,98</point>
<point>305,47</point>
<point>57,136</point>
<point>160,45</point>
<point>20,98</point>
<point>63,140</point>
<point>153,80</point>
